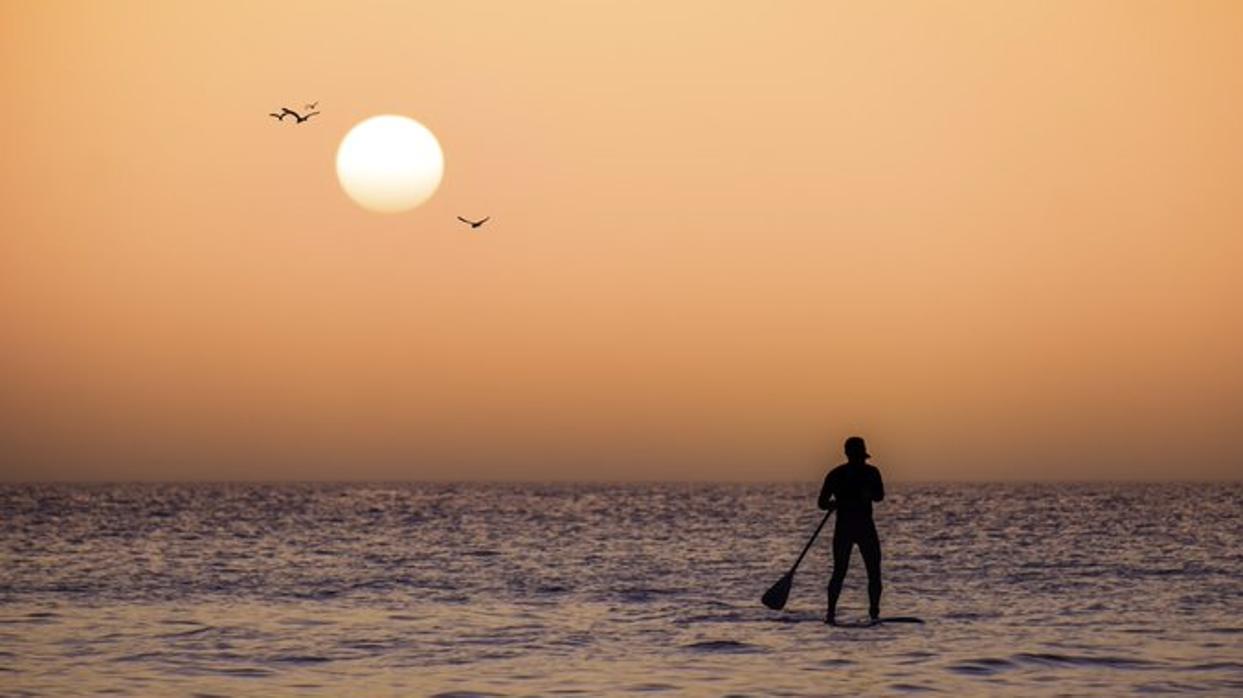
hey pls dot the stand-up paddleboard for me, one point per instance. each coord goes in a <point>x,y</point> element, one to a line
<point>819,618</point>
<point>878,621</point>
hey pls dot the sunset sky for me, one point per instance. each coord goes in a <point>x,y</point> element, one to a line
<point>1001,240</point>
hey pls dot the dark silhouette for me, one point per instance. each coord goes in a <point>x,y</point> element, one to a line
<point>286,111</point>
<point>851,488</point>
<point>474,224</point>
<point>312,105</point>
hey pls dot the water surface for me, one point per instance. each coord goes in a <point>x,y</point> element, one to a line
<point>425,589</point>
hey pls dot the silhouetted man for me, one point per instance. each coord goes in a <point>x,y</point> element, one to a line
<point>851,488</point>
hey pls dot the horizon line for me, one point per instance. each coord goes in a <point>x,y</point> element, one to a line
<point>598,481</point>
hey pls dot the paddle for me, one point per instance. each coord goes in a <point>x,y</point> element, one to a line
<point>775,597</point>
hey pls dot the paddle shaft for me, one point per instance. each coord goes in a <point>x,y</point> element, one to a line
<point>807,547</point>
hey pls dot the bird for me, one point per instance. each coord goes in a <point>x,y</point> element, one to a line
<point>312,105</point>
<point>286,111</point>
<point>474,224</point>
<point>296,115</point>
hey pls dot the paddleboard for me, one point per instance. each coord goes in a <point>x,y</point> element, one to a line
<point>879,621</point>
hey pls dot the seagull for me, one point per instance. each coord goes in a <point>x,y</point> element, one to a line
<point>296,115</point>
<point>312,105</point>
<point>473,224</point>
<point>286,111</point>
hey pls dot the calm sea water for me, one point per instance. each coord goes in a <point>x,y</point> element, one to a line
<point>411,589</point>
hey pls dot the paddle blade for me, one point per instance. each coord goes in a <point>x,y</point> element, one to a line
<point>775,597</point>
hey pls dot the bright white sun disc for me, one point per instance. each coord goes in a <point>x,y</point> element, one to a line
<point>390,163</point>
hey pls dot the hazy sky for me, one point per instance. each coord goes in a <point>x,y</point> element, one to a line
<point>999,239</point>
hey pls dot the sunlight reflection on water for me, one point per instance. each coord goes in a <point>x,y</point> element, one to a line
<point>386,589</point>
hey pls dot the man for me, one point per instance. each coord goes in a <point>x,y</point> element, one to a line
<point>851,488</point>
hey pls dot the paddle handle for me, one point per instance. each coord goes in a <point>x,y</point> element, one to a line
<point>807,547</point>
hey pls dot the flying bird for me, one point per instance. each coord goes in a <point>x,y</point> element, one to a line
<point>296,115</point>
<point>286,111</point>
<point>312,105</point>
<point>474,224</point>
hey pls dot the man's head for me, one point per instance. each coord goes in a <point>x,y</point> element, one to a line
<point>856,449</point>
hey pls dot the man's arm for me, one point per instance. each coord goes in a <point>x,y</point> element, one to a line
<point>878,489</point>
<point>826,495</point>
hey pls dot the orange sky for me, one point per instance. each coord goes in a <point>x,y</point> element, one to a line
<point>1001,240</point>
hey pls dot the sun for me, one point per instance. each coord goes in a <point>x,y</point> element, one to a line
<point>390,163</point>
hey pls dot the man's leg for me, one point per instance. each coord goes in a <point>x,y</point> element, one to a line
<point>841,562</point>
<point>869,547</point>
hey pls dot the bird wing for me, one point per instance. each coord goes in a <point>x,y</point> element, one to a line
<point>287,110</point>
<point>485,220</point>
<point>279,117</point>
<point>308,116</point>
<point>463,219</point>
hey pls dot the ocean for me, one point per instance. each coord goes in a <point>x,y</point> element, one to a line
<point>386,589</point>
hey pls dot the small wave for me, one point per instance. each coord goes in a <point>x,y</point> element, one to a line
<point>1214,666</point>
<point>727,646</point>
<point>985,666</point>
<point>185,633</point>
<point>243,672</point>
<point>652,687</point>
<point>912,688</point>
<point>316,595</point>
<point>724,618</point>
<point>138,657</point>
<point>642,595</point>
<point>302,659</point>
<point>306,622</point>
<point>1049,658</point>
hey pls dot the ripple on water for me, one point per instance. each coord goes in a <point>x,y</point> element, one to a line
<point>301,659</point>
<point>241,672</point>
<point>644,595</point>
<point>186,633</point>
<point>724,646</point>
<point>652,687</point>
<point>366,589</point>
<point>985,666</point>
<point>1051,659</point>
